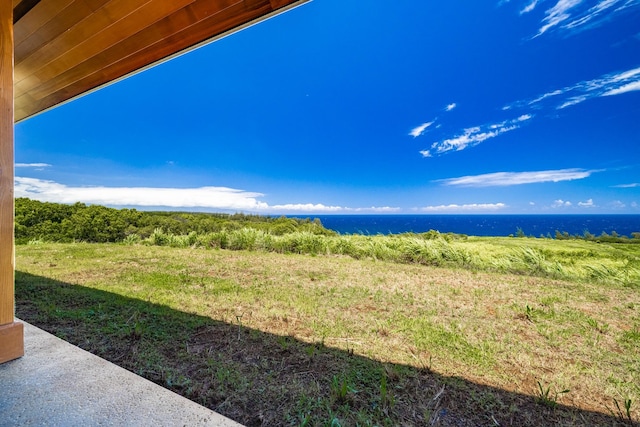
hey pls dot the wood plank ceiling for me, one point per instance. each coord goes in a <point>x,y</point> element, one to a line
<point>64,48</point>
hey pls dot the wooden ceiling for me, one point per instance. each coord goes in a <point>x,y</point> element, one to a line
<point>64,48</point>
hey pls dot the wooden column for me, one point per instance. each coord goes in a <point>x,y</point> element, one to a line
<point>11,333</point>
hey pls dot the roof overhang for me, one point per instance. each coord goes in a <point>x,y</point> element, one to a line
<point>66,48</point>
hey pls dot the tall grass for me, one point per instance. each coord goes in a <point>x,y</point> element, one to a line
<point>569,260</point>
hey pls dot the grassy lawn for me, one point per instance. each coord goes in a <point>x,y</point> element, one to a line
<point>288,339</point>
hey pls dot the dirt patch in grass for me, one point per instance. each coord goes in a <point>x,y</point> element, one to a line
<point>271,339</point>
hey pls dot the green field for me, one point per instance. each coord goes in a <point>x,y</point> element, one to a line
<point>355,330</point>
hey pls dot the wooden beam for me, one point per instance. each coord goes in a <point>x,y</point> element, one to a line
<point>6,163</point>
<point>11,333</point>
<point>21,8</point>
<point>65,48</point>
<point>11,341</point>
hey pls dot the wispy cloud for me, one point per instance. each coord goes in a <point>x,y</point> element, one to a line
<point>504,179</point>
<point>557,15</point>
<point>32,165</point>
<point>611,84</point>
<point>632,185</point>
<point>561,203</point>
<point>419,130</point>
<point>607,85</point>
<point>546,95</point>
<point>318,207</point>
<point>529,8</point>
<point>629,87</point>
<point>574,15</point>
<point>473,207</point>
<point>216,198</point>
<point>601,12</point>
<point>474,136</point>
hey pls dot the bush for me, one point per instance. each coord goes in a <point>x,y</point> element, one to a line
<point>56,222</point>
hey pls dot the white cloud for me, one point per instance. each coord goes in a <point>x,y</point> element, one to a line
<point>591,13</point>
<point>633,185</point>
<point>634,204</point>
<point>611,84</point>
<point>474,136</point>
<point>219,198</point>
<point>574,100</point>
<point>617,204</point>
<point>529,8</point>
<point>629,87</point>
<point>381,209</point>
<point>451,106</point>
<point>32,165</point>
<point>310,207</point>
<point>306,207</point>
<point>587,204</point>
<point>471,136</point>
<point>607,85</point>
<point>618,77</point>
<point>560,203</point>
<point>546,95</point>
<point>474,207</point>
<point>598,13</point>
<point>203,197</point>
<point>503,179</point>
<point>557,14</point>
<point>419,130</point>
<point>576,15</point>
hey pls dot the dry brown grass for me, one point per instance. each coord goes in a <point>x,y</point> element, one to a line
<point>501,336</point>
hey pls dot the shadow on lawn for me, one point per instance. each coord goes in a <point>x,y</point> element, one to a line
<point>258,378</point>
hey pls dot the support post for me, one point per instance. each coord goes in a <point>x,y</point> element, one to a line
<point>11,332</point>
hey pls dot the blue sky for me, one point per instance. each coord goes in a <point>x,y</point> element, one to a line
<point>503,106</point>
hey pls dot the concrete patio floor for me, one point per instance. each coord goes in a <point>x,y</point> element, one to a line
<point>58,384</point>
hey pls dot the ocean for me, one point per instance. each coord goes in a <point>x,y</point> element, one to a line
<point>482,225</point>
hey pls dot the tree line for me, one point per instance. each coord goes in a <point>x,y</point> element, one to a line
<point>57,222</point>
